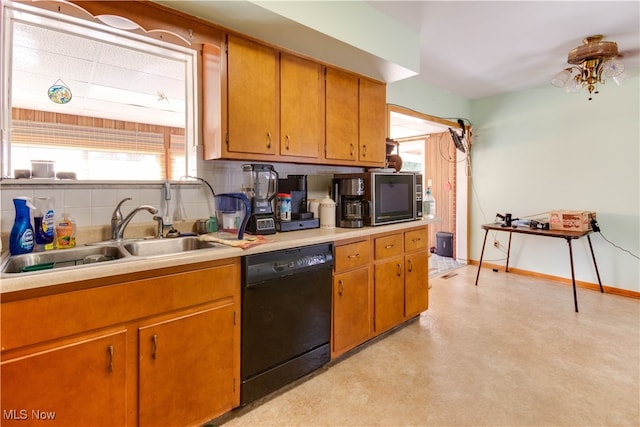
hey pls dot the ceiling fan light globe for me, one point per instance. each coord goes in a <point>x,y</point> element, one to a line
<point>573,86</point>
<point>561,79</point>
<point>620,79</point>
<point>612,67</point>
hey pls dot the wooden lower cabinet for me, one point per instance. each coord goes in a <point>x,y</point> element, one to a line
<point>171,358</point>
<point>378,283</point>
<point>416,283</point>
<point>351,310</point>
<point>388,294</point>
<point>401,277</point>
<point>77,382</point>
<point>186,367</point>
<point>352,298</point>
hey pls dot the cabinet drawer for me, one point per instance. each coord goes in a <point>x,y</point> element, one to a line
<point>415,240</point>
<point>39,319</point>
<point>351,256</point>
<point>387,246</point>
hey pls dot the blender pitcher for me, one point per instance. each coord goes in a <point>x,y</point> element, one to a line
<point>260,185</point>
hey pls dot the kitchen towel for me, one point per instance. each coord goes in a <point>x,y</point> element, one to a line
<point>246,243</point>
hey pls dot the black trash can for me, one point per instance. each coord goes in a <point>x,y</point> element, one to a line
<point>444,244</point>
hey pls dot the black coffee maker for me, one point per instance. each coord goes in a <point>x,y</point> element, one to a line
<point>351,206</point>
<point>301,218</point>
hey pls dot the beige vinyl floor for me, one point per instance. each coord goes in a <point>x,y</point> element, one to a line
<point>510,352</point>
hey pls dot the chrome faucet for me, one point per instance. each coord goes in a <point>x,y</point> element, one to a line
<point>118,223</point>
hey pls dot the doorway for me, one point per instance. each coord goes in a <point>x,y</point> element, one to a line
<point>426,145</point>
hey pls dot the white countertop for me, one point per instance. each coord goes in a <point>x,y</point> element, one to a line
<point>278,241</point>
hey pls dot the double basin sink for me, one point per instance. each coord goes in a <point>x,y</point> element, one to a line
<point>103,252</point>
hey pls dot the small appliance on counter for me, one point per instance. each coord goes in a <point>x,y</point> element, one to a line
<point>351,205</point>
<point>260,186</point>
<point>386,198</point>
<point>301,219</point>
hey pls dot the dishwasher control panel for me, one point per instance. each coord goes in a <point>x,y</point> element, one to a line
<point>270,265</point>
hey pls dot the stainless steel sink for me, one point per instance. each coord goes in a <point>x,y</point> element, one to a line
<point>60,258</point>
<point>166,246</point>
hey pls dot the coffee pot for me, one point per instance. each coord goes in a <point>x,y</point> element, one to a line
<point>351,206</point>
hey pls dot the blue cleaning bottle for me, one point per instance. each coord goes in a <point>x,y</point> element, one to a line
<point>21,237</point>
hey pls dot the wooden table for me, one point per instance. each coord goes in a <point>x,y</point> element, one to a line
<point>564,234</point>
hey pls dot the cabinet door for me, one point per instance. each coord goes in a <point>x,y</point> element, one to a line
<point>341,97</point>
<point>388,294</point>
<point>78,383</point>
<point>301,102</point>
<point>351,314</point>
<point>416,283</point>
<point>372,122</point>
<point>186,368</point>
<point>251,103</point>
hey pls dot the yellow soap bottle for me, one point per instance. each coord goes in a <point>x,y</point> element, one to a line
<point>65,231</point>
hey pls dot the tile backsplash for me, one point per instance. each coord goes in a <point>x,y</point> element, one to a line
<point>91,205</point>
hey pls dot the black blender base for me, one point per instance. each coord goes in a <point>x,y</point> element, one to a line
<point>260,224</point>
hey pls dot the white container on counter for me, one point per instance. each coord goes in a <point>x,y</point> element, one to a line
<point>327,213</point>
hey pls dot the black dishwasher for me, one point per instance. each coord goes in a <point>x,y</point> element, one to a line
<point>286,317</point>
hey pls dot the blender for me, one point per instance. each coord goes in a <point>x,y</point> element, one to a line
<point>260,185</point>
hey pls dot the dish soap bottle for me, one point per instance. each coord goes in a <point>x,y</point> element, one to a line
<point>21,237</point>
<point>43,223</point>
<point>429,204</point>
<point>66,231</point>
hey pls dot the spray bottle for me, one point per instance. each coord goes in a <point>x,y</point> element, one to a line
<point>21,237</point>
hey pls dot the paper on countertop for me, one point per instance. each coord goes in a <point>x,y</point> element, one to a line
<point>246,243</point>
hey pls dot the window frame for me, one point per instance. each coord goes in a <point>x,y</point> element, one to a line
<point>16,12</point>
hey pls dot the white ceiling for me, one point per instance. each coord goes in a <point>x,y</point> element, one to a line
<point>483,48</point>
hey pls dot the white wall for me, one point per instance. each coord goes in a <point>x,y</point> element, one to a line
<point>543,149</point>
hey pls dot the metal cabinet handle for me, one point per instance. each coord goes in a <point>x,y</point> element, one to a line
<point>351,152</point>
<point>410,266</point>
<point>110,365</point>
<point>353,256</point>
<point>364,150</point>
<point>399,270</point>
<point>340,287</point>
<point>416,240</point>
<point>268,139</point>
<point>287,142</point>
<point>389,246</point>
<point>154,346</point>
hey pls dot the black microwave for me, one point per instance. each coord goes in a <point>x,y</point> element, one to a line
<point>391,197</point>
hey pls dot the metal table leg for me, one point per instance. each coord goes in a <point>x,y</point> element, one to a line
<point>595,264</point>
<point>506,270</point>
<point>481,255</point>
<point>573,275</point>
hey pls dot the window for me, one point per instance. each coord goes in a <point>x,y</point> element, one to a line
<point>128,104</point>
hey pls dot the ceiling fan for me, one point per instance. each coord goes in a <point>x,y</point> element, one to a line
<point>592,62</point>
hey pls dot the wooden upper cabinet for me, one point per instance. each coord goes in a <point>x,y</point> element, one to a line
<point>341,117</point>
<point>372,122</point>
<point>251,97</point>
<point>301,107</point>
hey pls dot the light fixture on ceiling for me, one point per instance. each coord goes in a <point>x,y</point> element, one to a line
<point>591,63</point>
